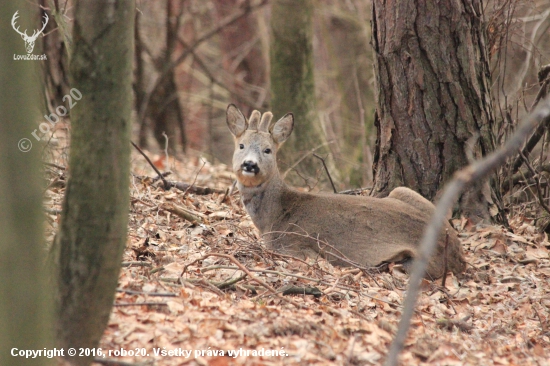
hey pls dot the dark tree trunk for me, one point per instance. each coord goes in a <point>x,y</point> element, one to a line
<point>92,233</point>
<point>26,306</point>
<point>433,97</point>
<point>292,85</point>
<point>165,109</point>
<point>139,81</point>
<point>163,113</point>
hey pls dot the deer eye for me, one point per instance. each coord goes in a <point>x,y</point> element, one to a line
<point>267,151</point>
<point>241,146</point>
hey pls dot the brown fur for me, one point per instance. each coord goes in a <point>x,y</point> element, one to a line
<point>365,230</point>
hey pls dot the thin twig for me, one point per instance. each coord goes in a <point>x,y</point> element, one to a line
<point>472,173</point>
<point>537,184</point>
<point>140,304</point>
<point>542,323</point>
<point>191,188</point>
<point>445,266</point>
<point>314,280</point>
<point>336,253</point>
<point>297,290</point>
<point>166,185</point>
<point>355,192</point>
<point>165,174</point>
<point>110,362</point>
<point>160,294</point>
<point>182,186</point>
<point>213,288</point>
<point>191,216</point>
<point>168,68</point>
<point>544,80</point>
<point>166,140</point>
<point>245,270</point>
<point>195,179</point>
<point>230,282</point>
<point>291,257</point>
<point>303,157</point>
<point>350,354</point>
<point>326,170</point>
<point>136,263</point>
<point>211,75</point>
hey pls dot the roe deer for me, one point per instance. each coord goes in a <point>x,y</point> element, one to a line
<point>344,229</point>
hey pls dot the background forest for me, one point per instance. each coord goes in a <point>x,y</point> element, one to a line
<point>383,95</point>
<point>192,58</point>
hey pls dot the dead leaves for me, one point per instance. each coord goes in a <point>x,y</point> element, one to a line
<point>496,313</point>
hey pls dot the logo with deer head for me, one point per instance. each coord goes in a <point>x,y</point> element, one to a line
<point>29,40</point>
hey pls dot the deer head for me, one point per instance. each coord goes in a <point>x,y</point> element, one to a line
<point>29,41</point>
<point>256,143</point>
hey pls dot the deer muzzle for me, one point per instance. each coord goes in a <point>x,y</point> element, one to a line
<point>250,168</point>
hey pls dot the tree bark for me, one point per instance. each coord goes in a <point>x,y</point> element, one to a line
<point>92,232</point>
<point>432,76</point>
<point>292,83</point>
<point>26,307</point>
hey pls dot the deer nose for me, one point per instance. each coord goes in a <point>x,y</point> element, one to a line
<point>250,166</point>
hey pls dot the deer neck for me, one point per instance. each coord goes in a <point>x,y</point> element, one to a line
<point>263,203</point>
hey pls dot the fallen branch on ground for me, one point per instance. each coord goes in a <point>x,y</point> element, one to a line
<point>314,280</point>
<point>185,187</point>
<point>193,217</point>
<point>296,290</point>
<point>245,270</point>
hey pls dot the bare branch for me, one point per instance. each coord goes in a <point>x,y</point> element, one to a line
<point>250,275</point>
<point>192,217</point>
<point>166,71</point>
<point>472,173</point>
<point>166,185</point>
<point>537,184</point>
<point>326,170</point>
<point>544,81</point>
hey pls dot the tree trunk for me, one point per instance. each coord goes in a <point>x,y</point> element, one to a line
<point>243,56</point>
<point>292,84</point>
<point>348,52</point>
<point>26,305</point>
<point>164,110</point>
<point>56,65</point>
<point>433,97</point>
<point>92,233</point>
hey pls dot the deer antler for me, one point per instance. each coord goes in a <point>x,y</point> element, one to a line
<point>35,35</point>
<point>24,34</point>
<point>13,21</point>
<point>46,18</point>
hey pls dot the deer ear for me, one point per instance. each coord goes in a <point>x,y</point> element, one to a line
<point>235,120</point>
<point>282,129</point>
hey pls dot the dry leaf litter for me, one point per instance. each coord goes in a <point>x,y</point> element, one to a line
<point>177,306</point>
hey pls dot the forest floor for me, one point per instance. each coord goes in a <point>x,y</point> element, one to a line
<point>199,292</point>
